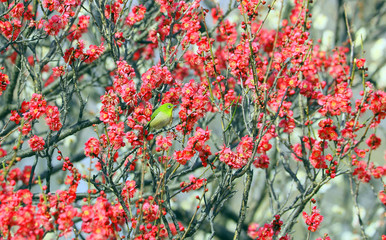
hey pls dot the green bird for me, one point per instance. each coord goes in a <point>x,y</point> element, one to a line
<point>161,117</point>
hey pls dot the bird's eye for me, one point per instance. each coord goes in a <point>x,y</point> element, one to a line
<point>169,106</point>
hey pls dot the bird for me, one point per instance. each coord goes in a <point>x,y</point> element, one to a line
<point>161,117</point>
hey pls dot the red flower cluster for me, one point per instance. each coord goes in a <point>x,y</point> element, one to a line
<point>53,118</point>
<point>140,117</point>
<point>194,184</point>
<point>77,31</point>
<point>338,103</point>
<point>360,63</point>
<point>109,113</point>
<point>129,190</point>
<point>119,39</point>
<point>242,155</point>
<point>137,14</point>
<point>58,71</point>
<point>92,147</point>
<point>13,18</point>
<point>151,211</point>
<point>194,105</point>
<point>37,107</point>
<point>268,231</point>
<point>116,134</point>
<point>373,141</point>
<point>55,24</point>
<point>316,148</point>
<point>377,104</point>
<point>36,143</point>
<point>190,23</point>
<point>3,153</point>
<point>15,117</point>
<point>18,215</point>
<point>327,131</point>
<point>164,143</point>
<point>89,56</point>
<point>93,53</point>
<point>250,8</point>
<point>313,220</point>
<point>4,81</point>
<point>10,29</point>
<point>265,69</point>
<point>26,128</point>
<point>325,237</point>
<point>16,175</point>
<point>17,10</point>
<point>21,219</point>
<point>103,219</point>
<point>33,110</point>
<point>113,11</point>
<point>261,161</point>
<point>364,171</point>
<point>62,6</point>
<point>124,84</point>
<point>152,232</point>
<point>195,144</point>
<point>153,79</point>
<point>382,197</point>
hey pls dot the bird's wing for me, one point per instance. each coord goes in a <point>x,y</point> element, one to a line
<point>155,113</point>
<point>161,120</point>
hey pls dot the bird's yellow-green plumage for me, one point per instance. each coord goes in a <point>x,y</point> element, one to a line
<point>162,116</point>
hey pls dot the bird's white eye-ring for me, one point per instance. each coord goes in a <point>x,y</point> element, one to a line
<point>169,106</point>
